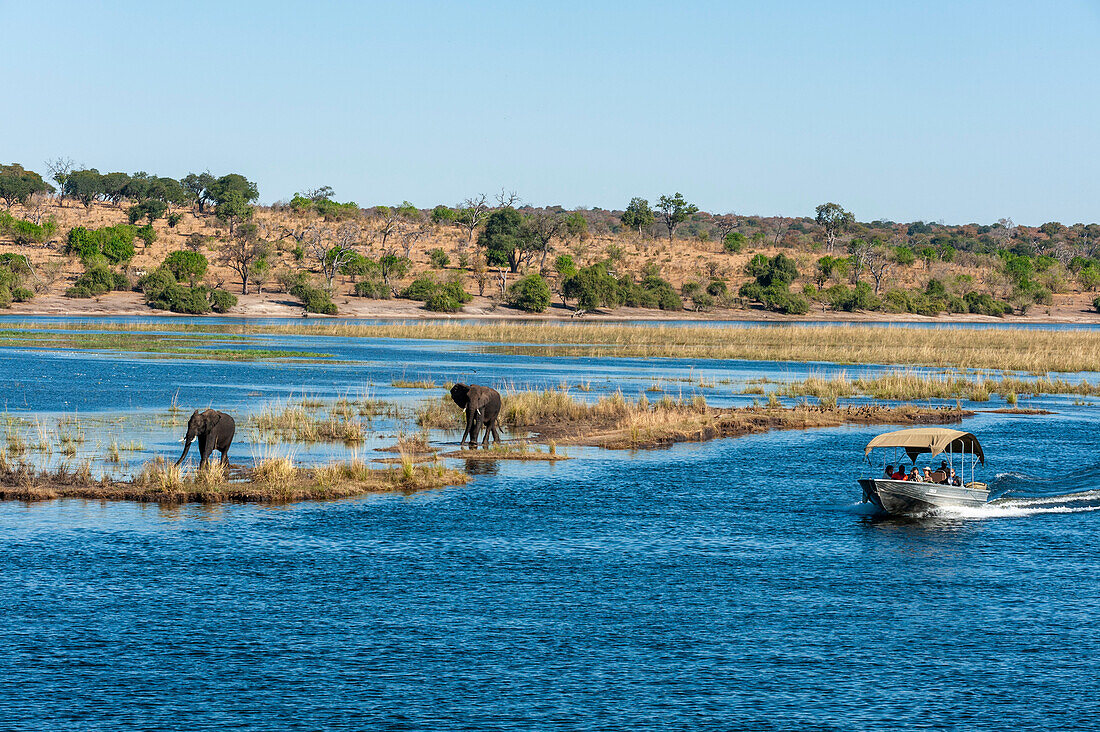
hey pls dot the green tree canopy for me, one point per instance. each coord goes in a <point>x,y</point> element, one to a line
<point>17,185</point>
<point>84,185</point>
<point>504,238</point>
<point>675,211</point>
<point>638,215</point>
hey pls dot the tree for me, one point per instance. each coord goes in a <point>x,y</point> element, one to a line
<point>230,187</point>
<point>834,221</point>
<point>59,169</point>
<point>18,185</point>
<point>84,185</point>
<point>242,250</point>
<point>542,228</point>
<point>675,211</point>
<point>530,293</point>
<point>879,259</point>
<point>470,215</point>
<point>638,215</point>
<point>114,186</point>
<point>576,225</point>
<point>504,239</point>
<point>233,209</point>
<point>198,187</point>
<point>393,266</point>
<point>186,265</point>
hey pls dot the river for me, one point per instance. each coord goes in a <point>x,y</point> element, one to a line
<point>736,584</point>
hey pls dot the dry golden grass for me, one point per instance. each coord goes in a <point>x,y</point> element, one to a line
<point>1029,350</point>
<point>905,385</point>
<point>614,422</point>
<point>272,480</point>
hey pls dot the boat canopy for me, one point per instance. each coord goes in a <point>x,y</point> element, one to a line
<point>934,440</point>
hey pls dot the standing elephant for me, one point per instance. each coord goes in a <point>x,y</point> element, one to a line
<point>482,405</point>
<point>215,432</point>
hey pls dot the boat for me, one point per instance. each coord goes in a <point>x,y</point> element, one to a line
<point>906,497</point>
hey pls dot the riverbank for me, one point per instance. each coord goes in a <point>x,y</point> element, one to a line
<point>274,480</point>
<point>612,422</point>
<point>1067,309</point>
<point>1033,350</point>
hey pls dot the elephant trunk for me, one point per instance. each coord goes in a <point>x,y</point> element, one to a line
<point>186,447</point>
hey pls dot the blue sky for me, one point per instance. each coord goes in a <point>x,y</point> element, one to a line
<point>961,111</point>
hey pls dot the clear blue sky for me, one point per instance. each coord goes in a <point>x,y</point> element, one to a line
<point>961,111</point>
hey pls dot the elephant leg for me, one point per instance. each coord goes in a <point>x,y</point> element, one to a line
<point>205,448</point>
<point>496,433</point>
<point>225,451</point>
<point>469,426</point>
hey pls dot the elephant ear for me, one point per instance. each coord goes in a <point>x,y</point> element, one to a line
<point>460,395</point>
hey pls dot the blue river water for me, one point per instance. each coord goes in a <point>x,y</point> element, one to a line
<point>736,584</point>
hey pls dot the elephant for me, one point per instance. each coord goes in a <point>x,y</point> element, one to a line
<point>482,405</point>
<point>215,432</point>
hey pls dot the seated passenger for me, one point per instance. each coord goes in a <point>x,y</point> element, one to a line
<point>900,475</point>
<point>927,477</point>
<point>914,474</point>
<point>889,472</point>
<point>955,479</point>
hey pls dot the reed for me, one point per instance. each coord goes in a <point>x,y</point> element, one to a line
<point>406,384</point>
<point>271,480</point>
<point>614,422</point>
<point>908,385</point>
<point>440,413</point>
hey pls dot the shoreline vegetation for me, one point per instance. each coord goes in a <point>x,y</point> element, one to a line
<point>1032,351</point>
<point>613,422</point>
<point>270,480</point>
<point>547,419</point>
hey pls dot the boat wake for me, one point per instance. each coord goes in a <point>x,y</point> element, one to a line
<point>1019,495</point>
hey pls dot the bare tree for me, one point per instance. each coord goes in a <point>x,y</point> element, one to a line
<point>544,226</point>
<point>726,224</point>
<point>878,263</point>
<point>410,233</point>
<point>242,250</point>
<point>508,199</point>
<point>860,252</point>
<point>331,259</point>
<point>469,217</point>
<point>59,169</point>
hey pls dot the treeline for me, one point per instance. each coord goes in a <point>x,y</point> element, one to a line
<point>842,264</point>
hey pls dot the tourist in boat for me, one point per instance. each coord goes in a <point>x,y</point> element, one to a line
<point>900,475</point>
<point>914,474</point>
<point>889,474</point>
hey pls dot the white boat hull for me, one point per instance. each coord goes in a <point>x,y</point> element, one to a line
<point>908,497</point>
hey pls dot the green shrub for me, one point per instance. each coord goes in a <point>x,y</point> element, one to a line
<point>530,294</point>
<point>174,219</point>
<point>662,291</point>
<point>717,288</point>
<point>1096,304</point>
<point>115,243</point>
<point>984,304</point>
<point>421,288</point>
<point>315,300</point>
<point>22,294</point>
<point>442,301</point>
<point>96,280</point>
<point>221,301</point>
<point>733,242</point>
<point>592,287</point>
<point>896,301</point>
<point>5,297</point>
<point>147,234</point>
<point>439,258</point>
<point>373,288</point>
<point>186,265</point>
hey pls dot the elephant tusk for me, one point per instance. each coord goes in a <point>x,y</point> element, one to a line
<point>182,440</point>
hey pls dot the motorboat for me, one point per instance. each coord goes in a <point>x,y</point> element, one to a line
<point>960,449</point>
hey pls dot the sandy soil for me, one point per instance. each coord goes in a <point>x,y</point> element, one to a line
<point>1066,309</point>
